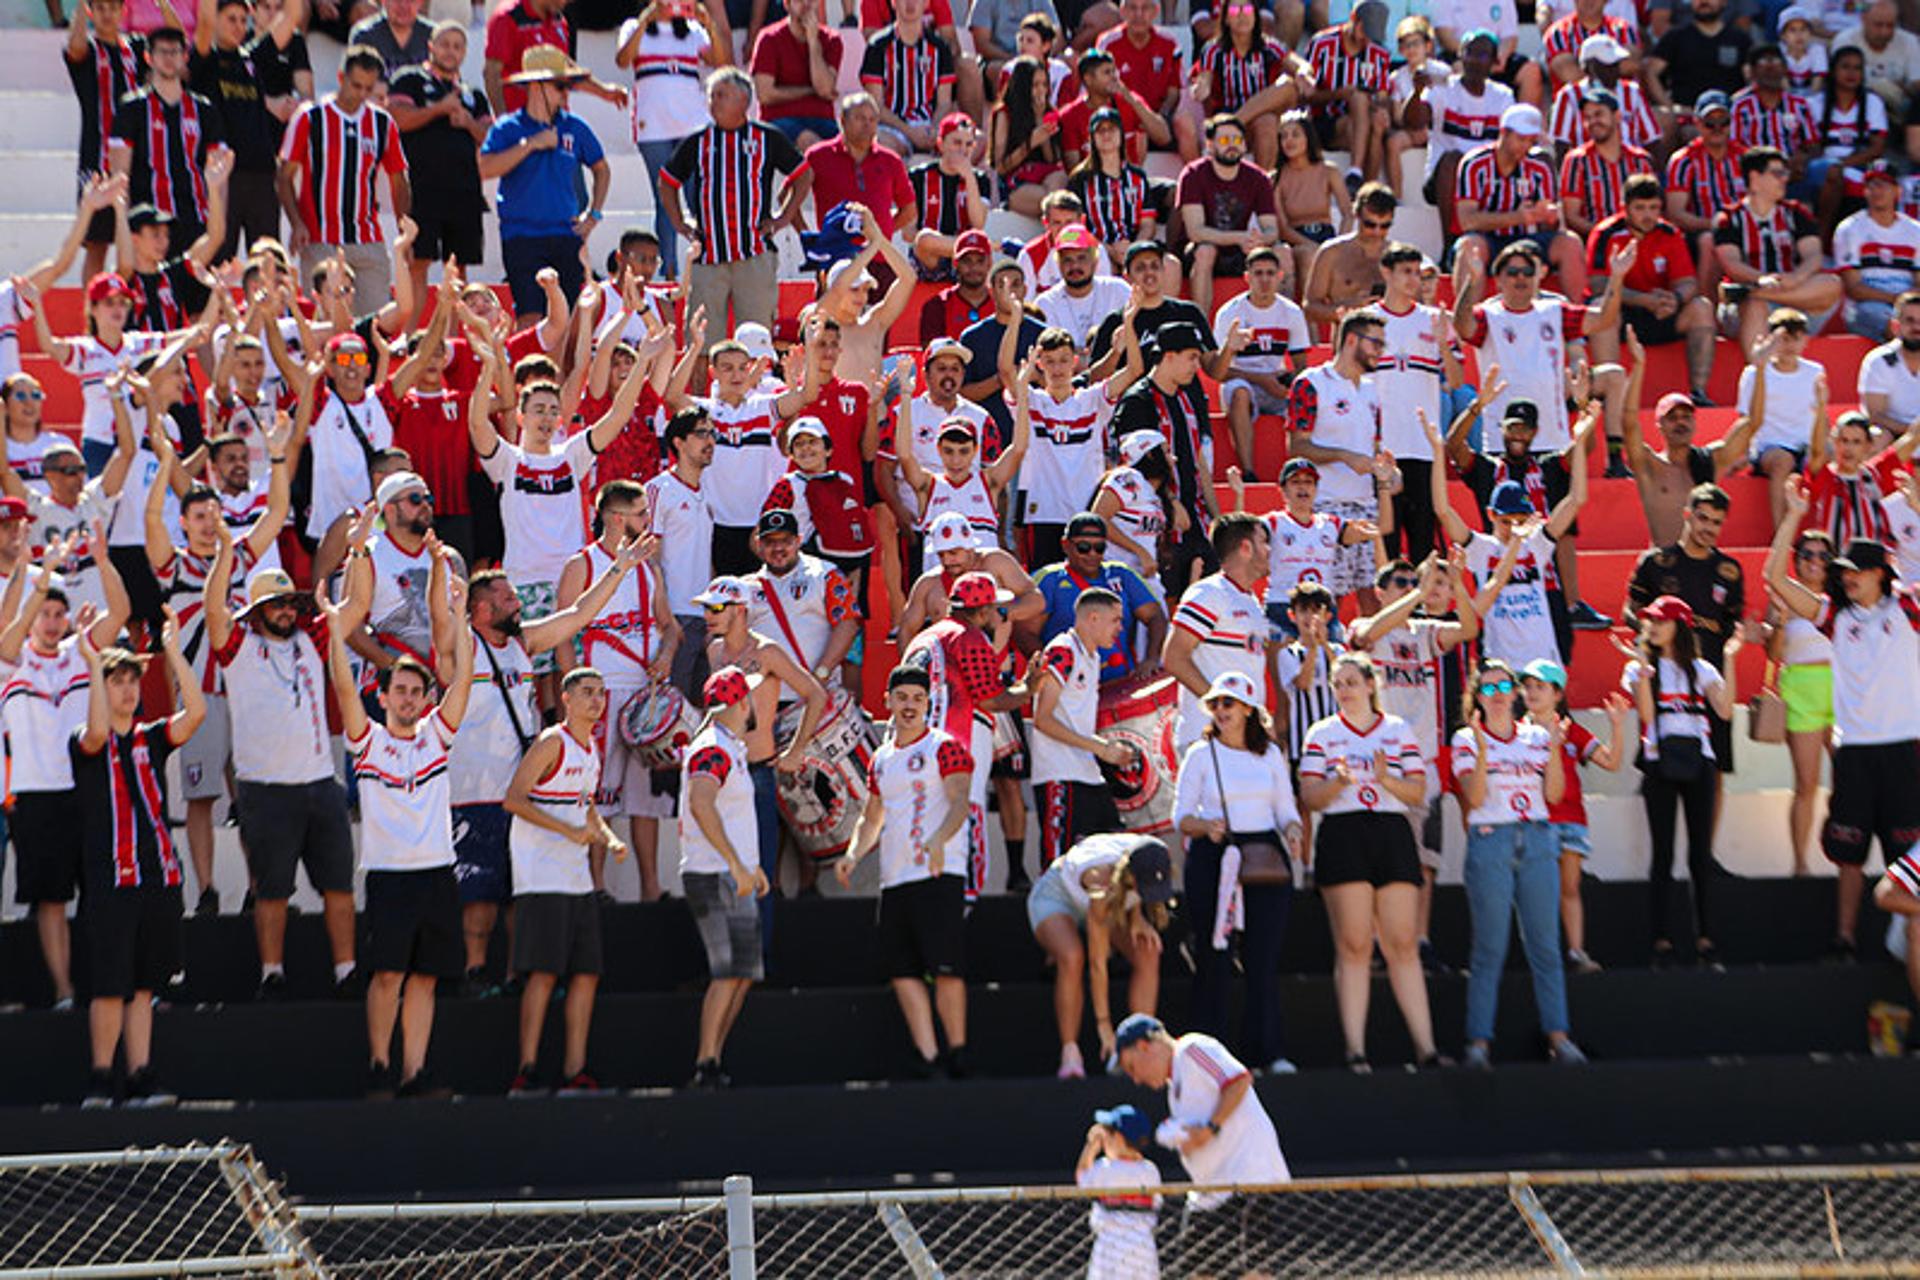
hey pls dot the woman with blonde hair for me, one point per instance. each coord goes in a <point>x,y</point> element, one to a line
<point>1117,887</point>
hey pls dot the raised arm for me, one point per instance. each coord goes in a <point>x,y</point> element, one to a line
<point>453,702</point>
<point>1793,596</point>
<point>1563,514</point>
<point>186,718</point>
<point>1456,528</point>
<point>1005,467</point>
<point>480,428</point>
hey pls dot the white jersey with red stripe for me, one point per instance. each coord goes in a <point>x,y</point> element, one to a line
<point>1412,685</point>
<point>183,587</point>
<point>799,609</point>
<point>1463,120</point>
<point>717,752</point>
<point>625,635</point>
<point>545,861</point>
<point>48,521</point>
<point>488,747</point>
<point>1636,122</point>
<point>28,458</point>
<point>1338,413</point>
<point>1876,670</point>
<point>746,457</point>
<point>406,819</point>
<point>1247,1148</point>
<point>1068,661</point>
<point>1519,626</point>
<point>910,780</point>
<point>1530,347</point>
<point>924,419</point>
<point>241,511</point>
<point>1141,515</point>
<point>684,523</point>
<point>1408,377</point>
<point>42,702</point>
<point>1516,774</point>
<point>540,506</point>
<point>280,683</point>
<point>1232,631</point>
<point>1300,551</point>
<point>1068,452</point>
<point>1337,739</point>
<point>1885,256</point>
<point>91,361</point>
<point>1272,332</point>
<point>971,499</point>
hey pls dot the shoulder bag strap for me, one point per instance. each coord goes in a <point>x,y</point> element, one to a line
<point>1220,783</point>
<point>513,716</point>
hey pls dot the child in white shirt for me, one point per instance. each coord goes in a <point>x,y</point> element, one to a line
<point>1123,1246</point>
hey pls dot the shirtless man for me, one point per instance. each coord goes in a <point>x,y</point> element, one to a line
<point>1665,477</point>
<point>768,666</point>
<point>849,300</point>
<point>961,551</point>
<point>1346,271</point>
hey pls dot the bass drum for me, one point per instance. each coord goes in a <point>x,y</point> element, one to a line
<point>657,724</point>
<point>821,803</point>
<point>1141,715</point>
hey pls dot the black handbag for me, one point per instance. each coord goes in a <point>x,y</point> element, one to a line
<point>1681,758</point>
<point>1263,859</point>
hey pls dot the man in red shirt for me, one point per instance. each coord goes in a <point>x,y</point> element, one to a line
<point>1101,86</point>
<point>1661,301</point>
<point>517,26</point>
<point>796,71</point>
<point>1149,64</point>
<point>855,166</point>
<point>430,422</point>
<point>841,405</point>
<point>947,314</point>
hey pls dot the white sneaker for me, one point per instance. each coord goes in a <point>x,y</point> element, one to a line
<point>1072,1066</point>
<point>1282,1067</point>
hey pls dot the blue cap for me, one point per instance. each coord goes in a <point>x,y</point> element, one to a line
<point>1510,499</point>
<point>1712,100</point>
<point>1134,1028</point>
<point>1128,1121</point>
<point>1548,670</point>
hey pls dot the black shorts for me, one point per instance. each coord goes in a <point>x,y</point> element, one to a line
<point>733,550</point>
<point>1070,812</point>
<point>1229,259</point>
<point>1722,731</point>
<point>46,842</point>
<point>923,928</point>
<point>1365,848</point>
<point>133,939</point>
<point>288,825</point>
<point>1510,76</point>
<point>445,233</point>
<point>481,866</point>
<point>556,933</point>
<point>1653,330</point>
<point>1874,794</point>
<point>413,923</point>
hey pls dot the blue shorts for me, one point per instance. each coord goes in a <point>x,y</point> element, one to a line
<point>480,861</point>
<point>522,257</point>
<point>821,127</point>
<point>1049,897</point>
<point>1761,451</point>
<point>1572,837</point>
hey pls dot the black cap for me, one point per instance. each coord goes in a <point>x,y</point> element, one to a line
<point>1105,115</point>
<point>1092,57</point>
<point>779,520</point>
<point>1140,248</point>
<point>1522,410</point>
<point>146,215</point>
<point>1181,335</point>
<point>1152,869</point>
<point>1086,522</point>
<point>1864,553</point>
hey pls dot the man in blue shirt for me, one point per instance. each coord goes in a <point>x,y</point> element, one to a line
<point>982,341</point>
<point>1086,566</point>
<point>538,153</point>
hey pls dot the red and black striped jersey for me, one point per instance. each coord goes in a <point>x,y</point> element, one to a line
<point>725,179</point>
<point>1116,202</point>
<point>1710,184</point>
<point>1569,33</point>
<point>1788,125</point>
<point>339,157</point>
<point>124,841</point>
<point>1335,68</point>
<point>1237,76</point>
<point>906,77</point>
<point>1599,183</point>
<point>1767,244</point>
<point>1479,179</point>
<point>103,76</point>
<point>941,197</point>
<point>169,145</point>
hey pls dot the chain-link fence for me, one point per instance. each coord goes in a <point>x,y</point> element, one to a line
<point>211,1211</point>
<point>198,1210</point>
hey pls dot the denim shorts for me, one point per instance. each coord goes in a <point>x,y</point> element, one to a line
<point>1572,837</point>
<point>1049,897</point>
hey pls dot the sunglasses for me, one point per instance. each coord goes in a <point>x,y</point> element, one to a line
<point>1405,584</point>
<point>1824,557</point>
<point>1518,273</point>
<point>63,471</point>
<point>1088,548</point>
<point>351,359</point>
<point>716,608</point>
<point>1377,224</point>
<point>1496,686</point>
<point>417,499</point>
<point>29,393</point>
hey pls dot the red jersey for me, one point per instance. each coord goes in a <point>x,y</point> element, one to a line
<point>965,672</point>
<point>947,314</point>
<point>635,453</point>
<point>1578,748</point>
<point>1073,127</point>
<point>432,427</point>
<point>842,407</point>
<point>1665,258</point>
<point>1152,70</point>
<point>515,28</point>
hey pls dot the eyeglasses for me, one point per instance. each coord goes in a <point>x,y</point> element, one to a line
<point>1501,685</point>
<point>63,471</point>
<point>351,359</point>
<point>30,394</point>
<point>704,433</point>
<point>1778,171</point>
<point>1089,548</point>
<point>1374,339</point>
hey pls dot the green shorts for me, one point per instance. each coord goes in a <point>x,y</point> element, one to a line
<point>1808,693</point>
<point>536,602</point>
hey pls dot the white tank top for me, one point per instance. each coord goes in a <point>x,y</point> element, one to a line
<point>800,598</point>
<point>971,499</point>
<point>545,861</point>
<point>1077,668</point>
<point>486,751</point>
<point>911,784</point>
<point>623,636</point>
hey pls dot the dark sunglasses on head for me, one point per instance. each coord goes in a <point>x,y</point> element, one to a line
<point>1502,685</point>
<point>1088,548</point>
<point>29,393</point>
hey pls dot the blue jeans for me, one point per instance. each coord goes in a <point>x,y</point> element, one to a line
<point>1870,320</point>
<point>821,127</point>
<point>655,155</point>
<point>1267,907</point>
<point>1514,867</point>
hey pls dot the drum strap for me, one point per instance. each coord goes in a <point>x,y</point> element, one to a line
<point>593,633</point>
<point>513,717</point>
<point>779,612</point>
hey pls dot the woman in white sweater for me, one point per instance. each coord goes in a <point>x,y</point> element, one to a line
<point>1234,799</point>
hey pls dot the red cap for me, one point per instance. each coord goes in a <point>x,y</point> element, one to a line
<point>346,341</point>
<point>106,285</point>
<point>1669,402</point>
<point>1074,236</point>
<point>973,240</point>
<point>1880,171</point>
<point>725,687</point>
<point>1669,609</point>
<point>951,121</point>
<point>976,591</point>
<point>13,509</point>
